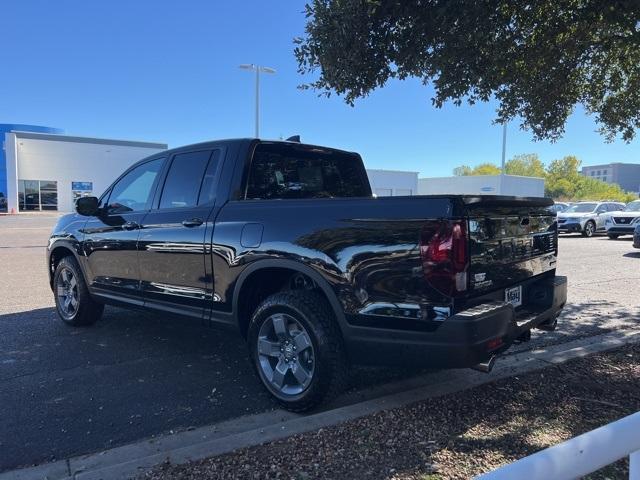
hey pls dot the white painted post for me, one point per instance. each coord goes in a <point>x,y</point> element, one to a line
<point>634,465</point>
<point>11,155</point>
<point>581,455</point>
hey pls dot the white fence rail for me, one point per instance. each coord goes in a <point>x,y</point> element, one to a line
<point>580,455</point>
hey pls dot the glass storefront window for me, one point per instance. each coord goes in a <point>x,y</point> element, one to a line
<point>37,195</point>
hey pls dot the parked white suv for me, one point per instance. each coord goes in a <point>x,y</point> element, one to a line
<point>586,217</point>
<point>623,222</point>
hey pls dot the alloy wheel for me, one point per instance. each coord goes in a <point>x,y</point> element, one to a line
<point>67,292</point>
<point>589,229</point>
<point>285,354</point>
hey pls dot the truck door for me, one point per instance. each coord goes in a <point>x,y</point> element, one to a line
<point>171,246</point>
<point>110,238</point>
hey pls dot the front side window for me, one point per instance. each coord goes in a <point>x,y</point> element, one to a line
<point>133,191</point>
<point>182,186</point>
<point>282,171</point>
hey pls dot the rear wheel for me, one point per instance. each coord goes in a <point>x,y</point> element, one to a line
<point>297,349</point>
<point>73,302</point>
<point>589,229</point>
<point>613,236</point>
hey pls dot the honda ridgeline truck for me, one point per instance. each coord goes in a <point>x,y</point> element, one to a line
<point>285,243</point>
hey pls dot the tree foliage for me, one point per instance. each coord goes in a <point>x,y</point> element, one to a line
<point>527,165</point>
<point>482,169</point>
<point>563,180</point>
<point>537,58</point>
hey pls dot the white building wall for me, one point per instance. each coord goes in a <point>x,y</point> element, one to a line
<point>387,183</point>
<point>71,161</point>
<point>482,185</point>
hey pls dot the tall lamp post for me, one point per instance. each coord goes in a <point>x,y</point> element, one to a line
<point>258,69</point>
<point>504,145</point>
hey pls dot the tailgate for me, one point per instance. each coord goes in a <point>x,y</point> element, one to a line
<point>510,240</point>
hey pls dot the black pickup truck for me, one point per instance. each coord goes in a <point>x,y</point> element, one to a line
<point>285,243</point>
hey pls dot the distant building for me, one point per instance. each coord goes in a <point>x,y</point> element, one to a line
<point>513,185</point>
<point>40,169</point>
<point>627,175</point>
<point>393,183</point>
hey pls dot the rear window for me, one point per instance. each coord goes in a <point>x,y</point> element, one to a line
<point>292,171</point>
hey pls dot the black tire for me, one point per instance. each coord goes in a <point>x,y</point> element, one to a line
<point>330,367</point>
<point>613,236</point>
<point>86,311</point>
<point>589,229</point>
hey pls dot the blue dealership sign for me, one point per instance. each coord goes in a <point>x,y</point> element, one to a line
<point>82,186</point>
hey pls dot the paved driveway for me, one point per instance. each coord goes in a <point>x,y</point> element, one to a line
<point>66,391</point>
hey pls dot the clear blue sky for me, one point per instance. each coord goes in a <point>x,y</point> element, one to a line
<point>167,71</point>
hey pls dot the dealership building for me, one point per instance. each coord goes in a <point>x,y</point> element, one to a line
<point>41,169</point>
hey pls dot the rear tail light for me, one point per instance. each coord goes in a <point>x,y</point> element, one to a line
<point>444,253</point>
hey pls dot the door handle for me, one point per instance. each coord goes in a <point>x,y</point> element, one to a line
<point>131,225</point>
<point>193,222</point>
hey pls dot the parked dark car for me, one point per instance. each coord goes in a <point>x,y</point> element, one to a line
<point>636,236</point>
<point>285,243</point>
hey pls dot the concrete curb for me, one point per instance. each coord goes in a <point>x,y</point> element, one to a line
<point>131,460</point>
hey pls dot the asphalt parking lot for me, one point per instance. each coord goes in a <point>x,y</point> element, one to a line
<point>71,391</point>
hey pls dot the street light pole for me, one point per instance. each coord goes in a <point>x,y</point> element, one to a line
<point>258,69</point>
<point>504,145</point>
<point>504,154</point>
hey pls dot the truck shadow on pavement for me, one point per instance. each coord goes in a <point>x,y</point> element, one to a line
<point>130,376</point>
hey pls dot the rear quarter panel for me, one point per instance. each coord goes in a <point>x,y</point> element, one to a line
<point>367,249</point>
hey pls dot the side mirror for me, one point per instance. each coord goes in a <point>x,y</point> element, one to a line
<point>87,206</point>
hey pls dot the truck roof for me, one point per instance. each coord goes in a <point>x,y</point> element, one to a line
<point>248,141</point>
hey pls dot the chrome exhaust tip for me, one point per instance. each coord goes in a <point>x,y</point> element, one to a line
<point>486,367</point>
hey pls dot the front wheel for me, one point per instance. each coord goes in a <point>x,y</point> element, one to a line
<point>73,301</point>
<point>613,236</point>
<point>297,350</point>
<point>589,229</point>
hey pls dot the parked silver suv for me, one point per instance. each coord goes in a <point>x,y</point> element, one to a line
<point>623,222</point>
<point>586,217</point>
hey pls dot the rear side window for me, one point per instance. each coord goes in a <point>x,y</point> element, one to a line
<point>210,180</point>
<point>185,176</point>
<point>291,171</point>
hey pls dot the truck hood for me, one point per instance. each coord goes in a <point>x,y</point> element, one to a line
<point>624,214</point>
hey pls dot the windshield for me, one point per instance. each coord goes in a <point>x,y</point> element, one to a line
<point>582,208</point>
<point>633,206</point>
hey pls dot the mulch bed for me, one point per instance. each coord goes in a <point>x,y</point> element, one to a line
<point>455,436</point>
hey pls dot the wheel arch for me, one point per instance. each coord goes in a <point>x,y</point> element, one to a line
<point>57,252</point>
<point>254,272</point>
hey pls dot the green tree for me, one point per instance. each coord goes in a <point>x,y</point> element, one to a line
<point>462,171</point>
<point>481,169</point>
<point>565,167</point>
<point>559,188</point>
<point>527,165</point>
<point>537,58</point>
<point>486,169</point>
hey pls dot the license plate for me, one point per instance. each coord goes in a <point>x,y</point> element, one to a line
<point>513,296</point>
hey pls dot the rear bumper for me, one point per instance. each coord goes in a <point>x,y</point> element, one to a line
<point>462,340</point>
